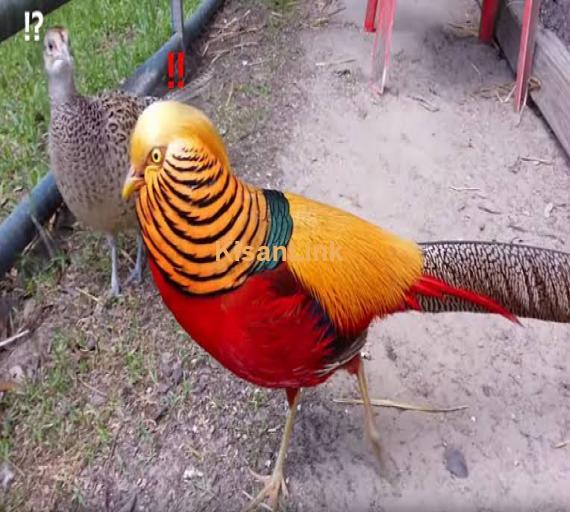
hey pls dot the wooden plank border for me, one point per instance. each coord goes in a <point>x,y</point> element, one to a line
<point>551,67</point>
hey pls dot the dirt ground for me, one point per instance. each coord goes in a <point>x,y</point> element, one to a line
<point>140,411</point>
<point>555,15</point>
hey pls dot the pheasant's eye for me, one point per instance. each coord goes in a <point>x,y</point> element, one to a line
<point>156,156</point>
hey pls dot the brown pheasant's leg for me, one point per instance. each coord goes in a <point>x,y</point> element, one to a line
<point>276,482</point>
<point>115,289</point>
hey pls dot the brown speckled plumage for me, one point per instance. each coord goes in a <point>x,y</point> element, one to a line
<point>88,141</point>
<point>530,282</point>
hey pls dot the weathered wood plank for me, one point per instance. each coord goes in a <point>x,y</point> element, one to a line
<point>551,67</point>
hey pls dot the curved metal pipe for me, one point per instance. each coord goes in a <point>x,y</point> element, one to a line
<point>147,76</point>
<point>19,228</point>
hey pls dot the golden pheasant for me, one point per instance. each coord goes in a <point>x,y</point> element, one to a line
<point>280,289</point>
<point>89,145</point>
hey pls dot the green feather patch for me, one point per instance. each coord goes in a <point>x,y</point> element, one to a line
<point>279,233</point>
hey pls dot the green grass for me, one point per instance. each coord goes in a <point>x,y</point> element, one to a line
<point>51,426</point>
<point>109,39</point>
<point>54,421</point>
<point>49,409</point>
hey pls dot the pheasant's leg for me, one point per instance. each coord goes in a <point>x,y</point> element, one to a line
<point>112,241</point>
<point>369,424</point>
<point>276,481</point>
<point>137,273</point>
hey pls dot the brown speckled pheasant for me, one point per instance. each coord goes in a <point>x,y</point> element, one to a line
<point>88,146</point>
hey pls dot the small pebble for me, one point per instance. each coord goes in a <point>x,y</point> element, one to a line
<point>455,463</point>
<point>548,209</point>
<point>6,476</point>
<point>16,373</point>
<point>190,473</point>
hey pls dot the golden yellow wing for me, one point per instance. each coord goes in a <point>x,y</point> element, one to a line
<point>355,269</point>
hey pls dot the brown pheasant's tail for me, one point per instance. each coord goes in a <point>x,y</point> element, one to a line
<point>511,280</point>
<point>196,88</point>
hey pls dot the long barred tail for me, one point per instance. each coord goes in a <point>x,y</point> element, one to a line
<point>193,90</point>
<point>512,280</point>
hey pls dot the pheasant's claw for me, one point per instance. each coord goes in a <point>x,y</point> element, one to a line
<point>273,486</point>
<point>265,479</point>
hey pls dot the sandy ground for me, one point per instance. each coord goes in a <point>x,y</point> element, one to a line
<point>395,163</point>
<point>432,159</point>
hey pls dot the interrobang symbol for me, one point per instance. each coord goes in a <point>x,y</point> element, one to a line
<point>35,15</point>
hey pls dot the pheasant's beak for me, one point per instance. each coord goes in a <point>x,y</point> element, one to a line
<point>133,183</point>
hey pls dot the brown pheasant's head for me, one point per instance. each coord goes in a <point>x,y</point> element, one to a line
<point>57,52</point>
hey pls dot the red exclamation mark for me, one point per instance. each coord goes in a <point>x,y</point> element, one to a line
<point>171,70</point>
<point>180,70</point>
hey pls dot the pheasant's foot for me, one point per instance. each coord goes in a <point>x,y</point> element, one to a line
<point>265,480</point>
<point>275,483</point>
<point>136,275</point>
<point>115,289</point>
<point>273,486</point>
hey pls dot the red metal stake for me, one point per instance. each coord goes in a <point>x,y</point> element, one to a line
<point>369,20</point>
<point>386,12</point>
<point>526,51</point>
<point>489,12</point>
